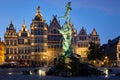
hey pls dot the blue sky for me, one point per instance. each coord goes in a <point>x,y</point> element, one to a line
<point>104,15</point>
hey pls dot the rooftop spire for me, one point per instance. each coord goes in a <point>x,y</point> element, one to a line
<point>38,11</point>
<point>38,15</point>
<point>11,25</point>
<point>10,21</point>
<point>94,32</point>
<point>24,24</point>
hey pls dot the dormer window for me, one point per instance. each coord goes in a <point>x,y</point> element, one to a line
<point>24,34</point>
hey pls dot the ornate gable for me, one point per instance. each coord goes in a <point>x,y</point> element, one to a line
<point>10,31</point>
<point>54,25</point>
<point>94,33</point>
<point>24,31</point>
<point>82,31</point>
<point>38,15</point>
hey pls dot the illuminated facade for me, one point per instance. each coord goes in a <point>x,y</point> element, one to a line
<point>83,40</point>
<point>43,43</point>
<point>24,45</point>
<point>11,43</point>
<point>54,39</point>
<point>39,40</point>
<point>2,51</point>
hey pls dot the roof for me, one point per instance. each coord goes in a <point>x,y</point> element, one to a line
<point>114,41</point>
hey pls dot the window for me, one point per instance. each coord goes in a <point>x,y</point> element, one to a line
<point>40,25</point>
<point>80,38</point>
<point>15,42</point>
<point>11,42</point>
<point>20,41</point>
<point>54,31</point>
<point>38,40</point>
<point>28,49</point>
<point>15,50</point>
<point>21,50</point>
<point>38,32</point>
<point>7,50</point>
<point>29,41</point>
<point>24,34</point>
<point>7,42</point>
<point>25,57</point>
<point>35,40</point>
<point>11,50</point>
<point>32,32</point>
<point>35,48</point>
<point>22,56</point>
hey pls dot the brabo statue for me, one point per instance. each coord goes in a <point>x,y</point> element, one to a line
<point>66,32</point>
<point>68,9</point>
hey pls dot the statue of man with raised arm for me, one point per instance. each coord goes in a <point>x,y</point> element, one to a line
<point>66,32</point>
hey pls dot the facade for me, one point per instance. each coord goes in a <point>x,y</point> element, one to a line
<point>112,51</point>
<point>11,43</point>
<point>24,45</point>
<point>2,50</point>
<point>39,38</point>
<point>43,42</point>
<point>54,39</point>
<point>83,40</point>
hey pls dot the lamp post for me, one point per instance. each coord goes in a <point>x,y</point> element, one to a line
<point>106,60</point>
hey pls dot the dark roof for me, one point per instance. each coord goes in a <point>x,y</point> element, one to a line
<point>114,41</point>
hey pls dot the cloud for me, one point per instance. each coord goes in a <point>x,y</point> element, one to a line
<point>107,6</point>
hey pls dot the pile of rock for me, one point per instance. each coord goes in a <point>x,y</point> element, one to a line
<point>72,66</point>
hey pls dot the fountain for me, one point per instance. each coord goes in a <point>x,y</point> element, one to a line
<point>69,63</point>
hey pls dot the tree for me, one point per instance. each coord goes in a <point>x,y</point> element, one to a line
<point>94,51</point>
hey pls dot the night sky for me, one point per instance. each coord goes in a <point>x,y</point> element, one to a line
<point>103,15</point>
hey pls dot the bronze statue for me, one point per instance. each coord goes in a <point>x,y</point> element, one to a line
<point>66,32</point>
<point>68,9</point>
